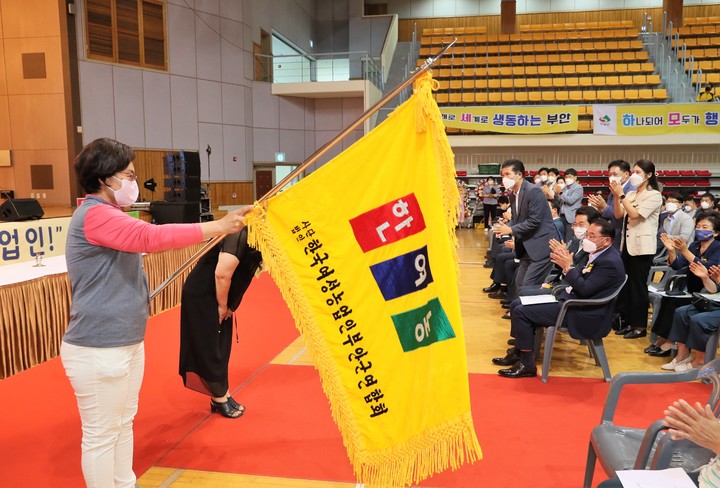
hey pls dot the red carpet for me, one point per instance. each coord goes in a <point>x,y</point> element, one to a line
<point>532,434</point>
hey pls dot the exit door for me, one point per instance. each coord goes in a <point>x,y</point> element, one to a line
<point>264,181</point>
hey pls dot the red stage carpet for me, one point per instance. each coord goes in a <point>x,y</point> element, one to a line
<point>532,434</point>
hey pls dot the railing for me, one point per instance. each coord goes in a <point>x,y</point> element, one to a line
<point>299,68</point>
<point>662,50</point>
<point>411,64</point>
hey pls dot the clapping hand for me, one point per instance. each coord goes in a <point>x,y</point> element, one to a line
<point>597,201</point>
<point>557,189</point>
<point>546,191</point>
<point>562,257</point>
<point>714,273</point>
<point>502,230</point>
<point>667,241</point>
<point>616,188</point>
<point>699,270</point>
<point>696,423</point>
<point>680,244</point>
<point>555,244</point>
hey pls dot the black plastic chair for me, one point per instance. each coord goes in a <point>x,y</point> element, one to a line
<point>596,347</point>
<point>619,448</point>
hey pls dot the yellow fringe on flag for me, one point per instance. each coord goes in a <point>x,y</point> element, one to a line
<point>447,445</point>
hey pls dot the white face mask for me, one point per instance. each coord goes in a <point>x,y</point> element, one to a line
<point>616,179</point>
<point>569,181</point>
<point>508,183</point>
<point>636,179</point>
<point>579,232</point>
<point>538,180</point>
<point>561,184</point>
<point>128,192</point>
<point>671,207</point>
<point>544,177</point>
<point>589,246</point>
<point>705,205</point>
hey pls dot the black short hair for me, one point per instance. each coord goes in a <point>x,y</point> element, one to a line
<point>571,172</point>
<point>591,213</point>
<point>554,170</point>
<point>554,204</point>
<point>99,160</point>
<point>516,165</point>
<point>503,199</point>
<point>677,196</point>
<point>689,198</point>
<point>711,216</point>
<point>620,163</point>
<point>708,195</point>
<point>543,169</point>
<point>607,229</point>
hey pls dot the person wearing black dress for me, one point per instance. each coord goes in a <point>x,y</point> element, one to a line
<point>211,293</point>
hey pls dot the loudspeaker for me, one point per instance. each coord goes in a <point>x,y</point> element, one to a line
<point>15,209</point>
<point>192,163</point>
<point>175,212</point>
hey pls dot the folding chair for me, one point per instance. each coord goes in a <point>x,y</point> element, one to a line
<point>620,448</point>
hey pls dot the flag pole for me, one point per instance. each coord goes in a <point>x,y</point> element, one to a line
<point>429,62</point>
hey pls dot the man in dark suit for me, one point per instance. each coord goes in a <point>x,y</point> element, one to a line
<point>531,225</point>
<point>600,276</point>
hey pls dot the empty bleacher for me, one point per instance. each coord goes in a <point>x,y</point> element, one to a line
<point>701,36</point>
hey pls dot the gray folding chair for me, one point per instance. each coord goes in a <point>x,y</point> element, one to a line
<point>595,346</point>
<point>618,448</point>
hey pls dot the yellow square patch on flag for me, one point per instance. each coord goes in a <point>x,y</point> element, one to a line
<point>364,252</point>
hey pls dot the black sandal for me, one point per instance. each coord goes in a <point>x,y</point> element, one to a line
<point>235,404</point>
<point>225,409</point>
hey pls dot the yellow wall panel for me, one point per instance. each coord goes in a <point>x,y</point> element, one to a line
<point>38,121</point>
<point>31,18</point>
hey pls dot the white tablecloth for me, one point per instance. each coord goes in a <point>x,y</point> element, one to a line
<point>26,271</point>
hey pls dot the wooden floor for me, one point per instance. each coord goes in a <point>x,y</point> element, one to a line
<point>486,335</point>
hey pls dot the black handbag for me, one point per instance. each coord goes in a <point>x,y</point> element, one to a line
<point>704,304</point>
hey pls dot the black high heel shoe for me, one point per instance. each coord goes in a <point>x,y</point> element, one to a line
<point>225,409</point>
<point>235,404</point>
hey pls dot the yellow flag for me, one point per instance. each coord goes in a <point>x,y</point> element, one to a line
<point>364,252</point>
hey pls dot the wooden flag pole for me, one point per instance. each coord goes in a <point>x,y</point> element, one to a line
<point>313,157</point>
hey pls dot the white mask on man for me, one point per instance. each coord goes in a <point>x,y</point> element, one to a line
<point>579,232</point>
<point>671,207</point>
<point>508,183</point>
<point>705,205</point>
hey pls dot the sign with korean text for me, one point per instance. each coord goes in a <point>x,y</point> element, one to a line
<point>364,252</point>
<point>656,119</point>
<point>23,241</point>
<point>526,119</point>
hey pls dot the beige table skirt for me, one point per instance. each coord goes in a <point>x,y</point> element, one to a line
<point>34,314</point>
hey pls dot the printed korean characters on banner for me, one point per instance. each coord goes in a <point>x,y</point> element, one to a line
<point>656,119</point>
<point>513,120</point>
<point>23,241</point>
<point>364,252</point>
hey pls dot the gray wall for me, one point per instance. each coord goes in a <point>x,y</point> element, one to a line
<point>457,8</point>
<point>207,96</point>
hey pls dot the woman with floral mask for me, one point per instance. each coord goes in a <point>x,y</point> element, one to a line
<point>102,350</point>
<point>639,211</point>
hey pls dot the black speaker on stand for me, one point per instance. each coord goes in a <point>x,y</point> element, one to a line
<point>17,209</point>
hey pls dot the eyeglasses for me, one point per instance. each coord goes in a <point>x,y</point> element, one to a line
<point>130,175</point>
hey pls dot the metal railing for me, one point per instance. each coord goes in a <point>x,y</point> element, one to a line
<point>340,66</point>
<point>411,63</point>
<point>676,68</point>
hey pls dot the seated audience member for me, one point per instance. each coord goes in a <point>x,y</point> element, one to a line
<point>556,280</point>
<point>557,221</point>
<point>677,223</point>
<point>697,424</point>
<point>707,202</point>
<point>707,95</point>
<point>504,261</point>
<point>704,250</point>
<point>495,243</point>
<point>570,198</point>
<point>618,171</point>
<point>602,274</point>
<point>689,206</point>
<point>692,327</point>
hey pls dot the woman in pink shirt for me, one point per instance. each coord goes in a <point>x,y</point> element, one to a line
<point>102,350</point>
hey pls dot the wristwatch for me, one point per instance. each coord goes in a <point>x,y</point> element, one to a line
<point>622,197</point>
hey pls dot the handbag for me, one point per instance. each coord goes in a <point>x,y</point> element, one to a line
<point>703,304</point>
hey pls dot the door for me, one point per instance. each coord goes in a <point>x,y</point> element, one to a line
<point>264,181</point>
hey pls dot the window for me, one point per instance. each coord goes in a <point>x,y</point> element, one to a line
<point>126,32</point>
